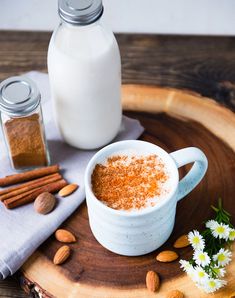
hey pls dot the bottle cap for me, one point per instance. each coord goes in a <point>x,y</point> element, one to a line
<point>19,96</point>
<point>80,12</point>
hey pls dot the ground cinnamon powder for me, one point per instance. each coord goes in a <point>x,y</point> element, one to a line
<point>25,141</point>
<point>128,182</point>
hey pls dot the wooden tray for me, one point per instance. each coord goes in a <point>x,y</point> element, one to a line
<point>173,119</point>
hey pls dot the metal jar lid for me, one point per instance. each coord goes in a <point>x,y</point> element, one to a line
<point>80,12</point>
<point>19,96</point>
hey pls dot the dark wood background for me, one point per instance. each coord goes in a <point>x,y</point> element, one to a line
<point>202,64</point>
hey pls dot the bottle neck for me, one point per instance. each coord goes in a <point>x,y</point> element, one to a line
<point>81,27</point>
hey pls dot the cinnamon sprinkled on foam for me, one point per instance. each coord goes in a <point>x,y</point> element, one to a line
<point>129,182</point>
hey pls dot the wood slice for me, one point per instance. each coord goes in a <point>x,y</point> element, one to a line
<point>172,119</point>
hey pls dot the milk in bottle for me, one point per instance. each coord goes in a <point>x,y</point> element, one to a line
<point>85,75</point>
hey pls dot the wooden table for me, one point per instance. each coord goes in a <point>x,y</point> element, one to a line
<point>203,64</point>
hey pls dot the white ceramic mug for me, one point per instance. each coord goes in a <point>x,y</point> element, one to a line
<point>140,232</point>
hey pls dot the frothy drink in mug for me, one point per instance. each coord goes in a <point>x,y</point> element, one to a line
<point>132,189</point>
<point>131,181</point>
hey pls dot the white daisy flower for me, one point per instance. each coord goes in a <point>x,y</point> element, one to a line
<point>223,257</point>
<point>220,231</point>
<point>212,285</point>
<point>231,234</point>
<point>196,240</point>
<point>201,258</point>
<point>200,285</point>
<point>210,224</point>
<point>199,275</point>
<point>186,267</point>
<point>220,271</point>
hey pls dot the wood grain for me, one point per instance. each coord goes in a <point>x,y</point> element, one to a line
<point>9,288</point>
<point>92,266</point>
<point>200,63</point>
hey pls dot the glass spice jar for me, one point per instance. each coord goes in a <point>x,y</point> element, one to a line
<point>22,123</point>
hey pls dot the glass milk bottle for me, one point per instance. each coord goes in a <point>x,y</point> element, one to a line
<point>85,75</point>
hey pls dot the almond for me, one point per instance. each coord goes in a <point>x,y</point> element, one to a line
<point>68,190</point>
<point>181,242</point>
<point>152,281</point>
<point>175,294</point>
<point>44,203</point>
<point>61,255</point>
<point>64,236</point>
<point>167,256</point>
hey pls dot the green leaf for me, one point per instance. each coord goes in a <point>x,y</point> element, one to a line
<point>214,208</point>
<point>220,203</point>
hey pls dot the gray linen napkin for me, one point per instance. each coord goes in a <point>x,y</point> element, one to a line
<point>22,230</point>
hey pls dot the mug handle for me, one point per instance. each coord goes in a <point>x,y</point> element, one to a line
<point>194,176</point>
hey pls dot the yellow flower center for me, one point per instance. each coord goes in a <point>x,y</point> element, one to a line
<point>221,257</point>
<point>196,240</point>
<point>201,274</point>
<point>212,284</point>
<point>220,230</point>
<point>232,234</point>
<point>202,257</point>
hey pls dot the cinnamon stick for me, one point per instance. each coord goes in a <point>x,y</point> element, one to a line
<point>23,188</point>
<point>16,201</point>
<point>29,175</point>
<point>22,195</point>
<point>19,186</point>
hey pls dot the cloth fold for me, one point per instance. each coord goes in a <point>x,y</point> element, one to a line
<point>22,230</point>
